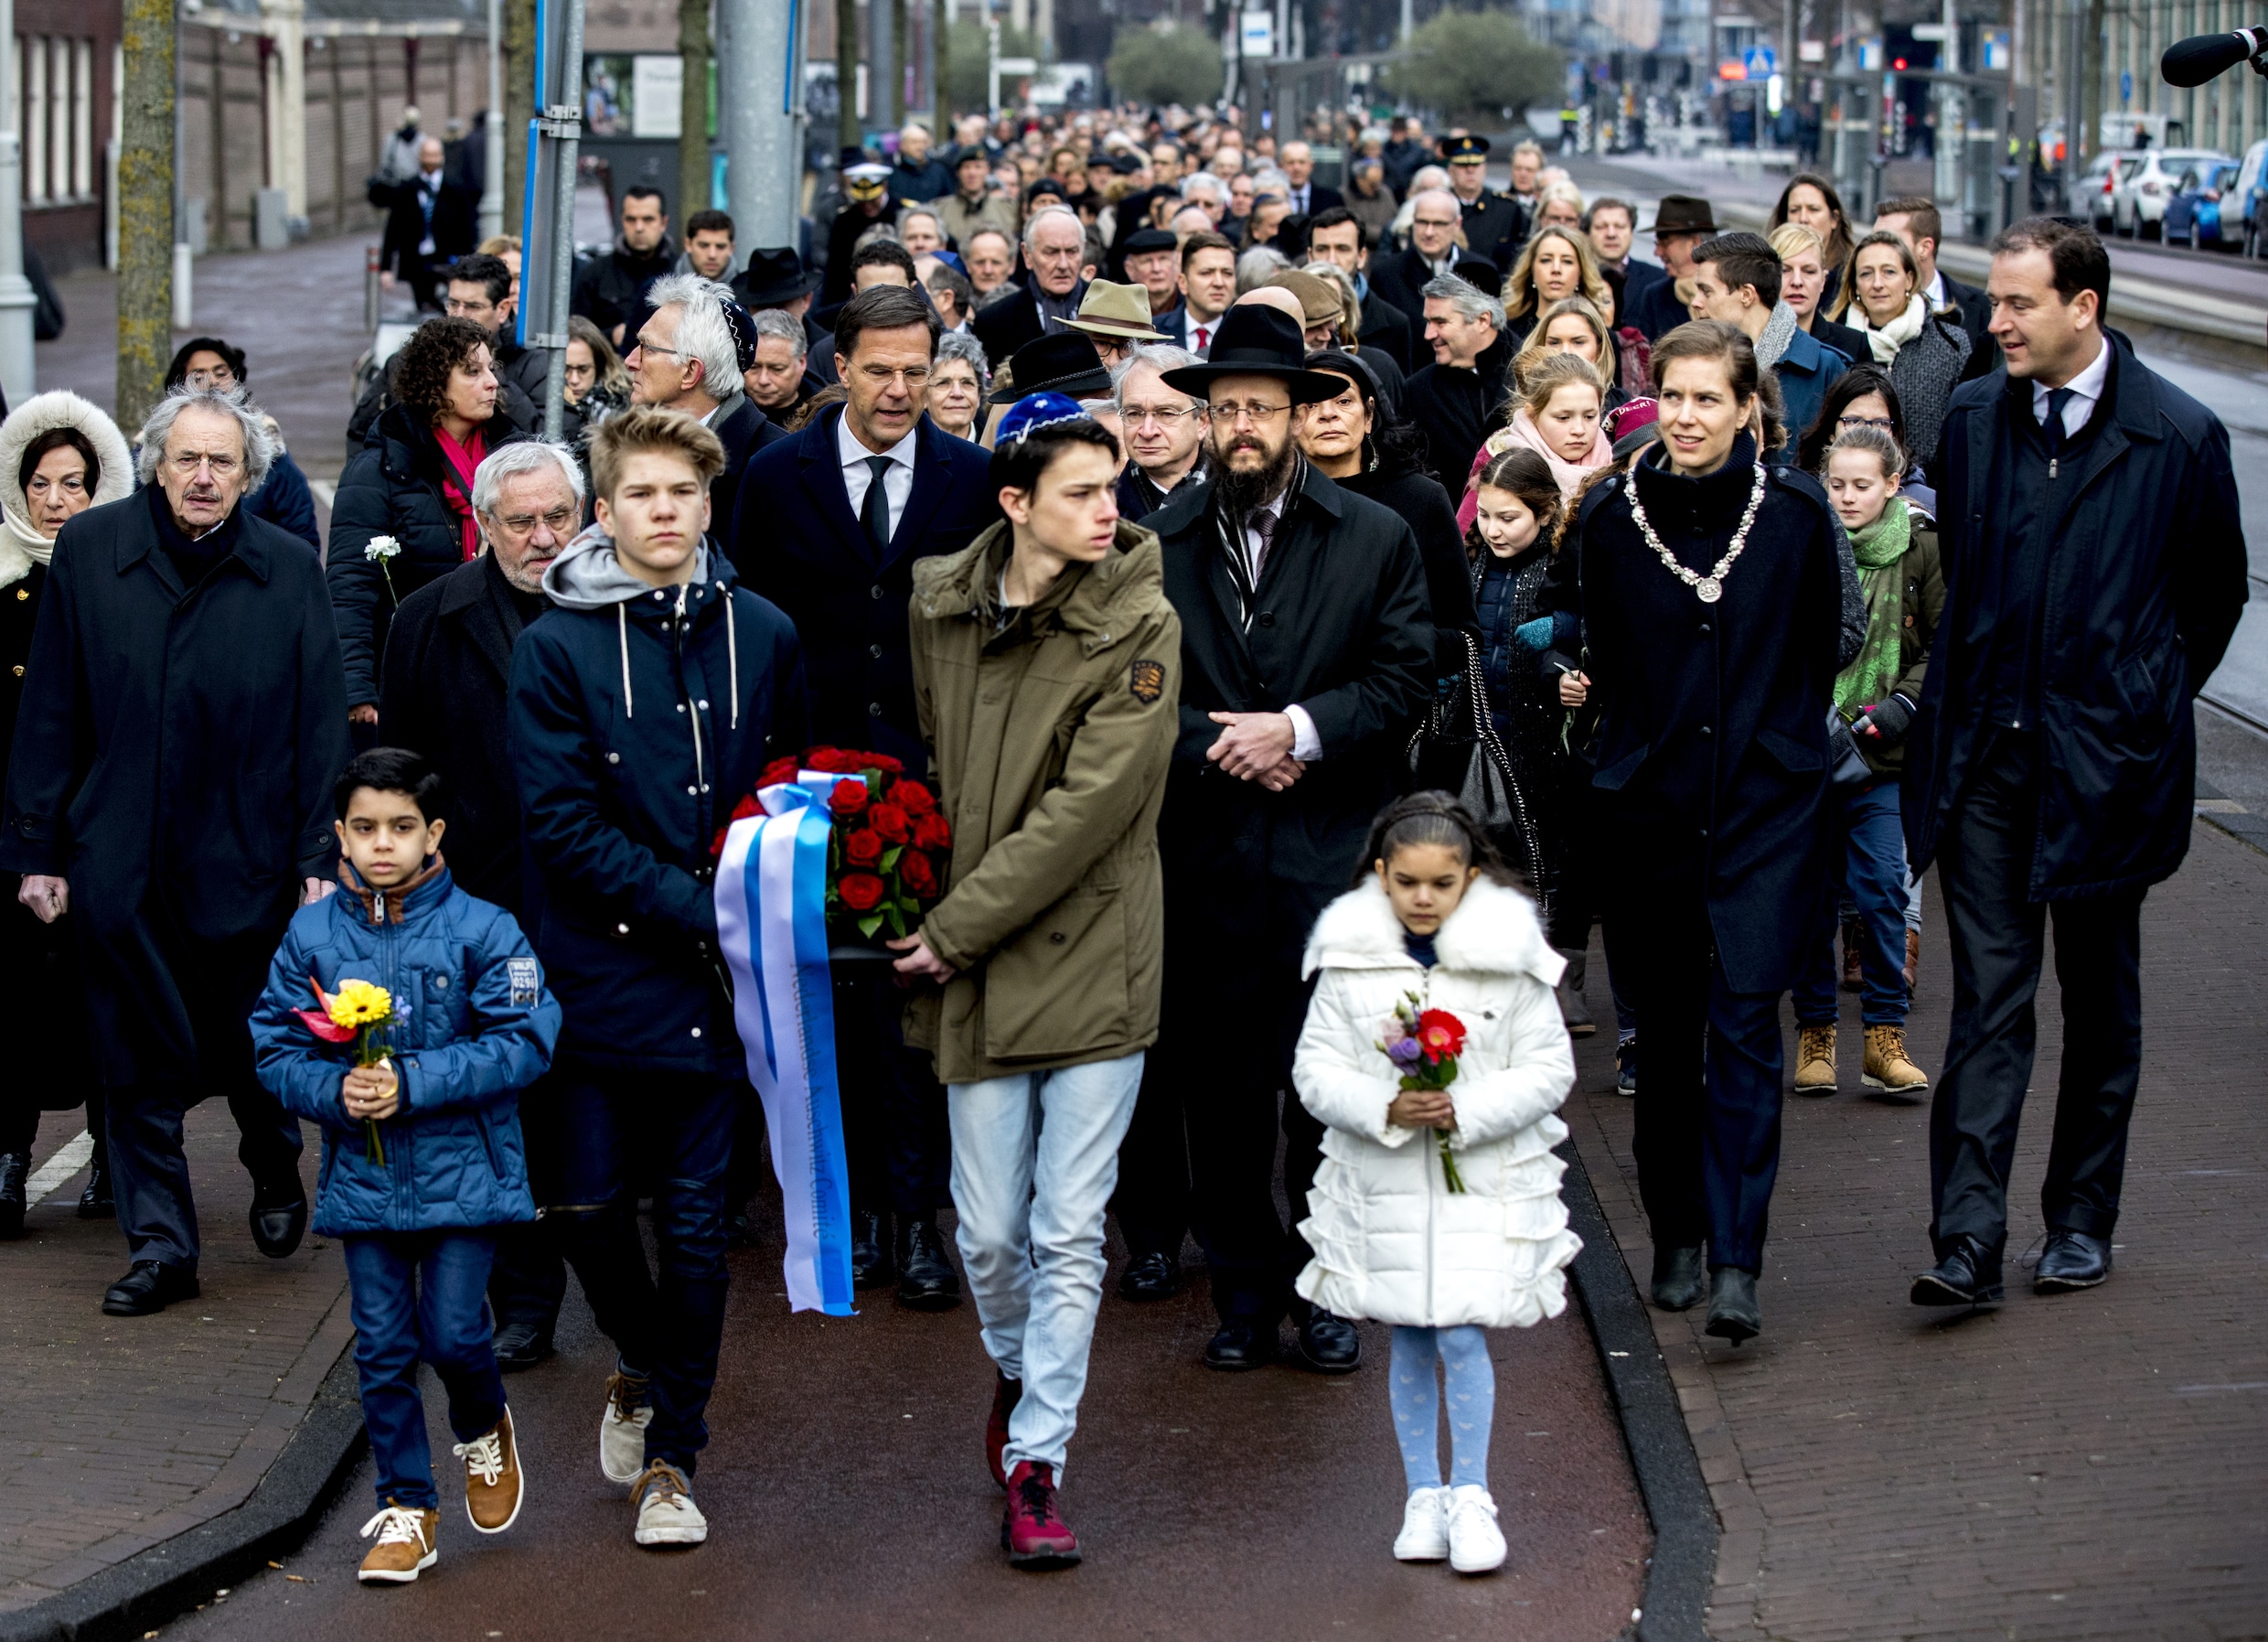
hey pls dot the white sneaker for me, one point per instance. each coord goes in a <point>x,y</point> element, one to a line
<point>1425,1527</point>
<point>1476,1545</point>
<point>622,1429</point>
<point>666,1512</point>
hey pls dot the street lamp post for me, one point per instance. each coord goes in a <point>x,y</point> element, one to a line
<point>492,133</point>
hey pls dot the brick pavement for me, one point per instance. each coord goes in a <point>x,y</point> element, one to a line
<point>2086,1466</point>
<point>125,1431</point>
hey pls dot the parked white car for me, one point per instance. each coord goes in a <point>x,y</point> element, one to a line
<point>2138,201</point>
<point>2091,191</point>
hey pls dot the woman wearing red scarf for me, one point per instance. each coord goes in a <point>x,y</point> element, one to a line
<point>404,513</point>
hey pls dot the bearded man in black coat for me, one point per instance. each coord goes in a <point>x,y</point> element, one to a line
<point>170,791</point>
<point>1307,653</point>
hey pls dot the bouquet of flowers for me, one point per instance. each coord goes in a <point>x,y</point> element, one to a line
<point>358,1013</point>
<point>887,859</point>
<point>1424,1044</point>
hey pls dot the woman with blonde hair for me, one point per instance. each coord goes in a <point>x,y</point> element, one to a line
<point>1557,413</point>
<point>1555,263</point>
<point>1803,280</point>
<point>1559,205</point>
<point>1574,325</point>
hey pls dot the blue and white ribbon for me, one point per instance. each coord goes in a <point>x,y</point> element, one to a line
<point>771,925</point>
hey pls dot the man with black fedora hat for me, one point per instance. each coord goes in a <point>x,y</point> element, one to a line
<point>1153,258</point>
<point>1307,652</point>
<point>1494,222</point>
<point>777,278</point>
<point>1680,222</point>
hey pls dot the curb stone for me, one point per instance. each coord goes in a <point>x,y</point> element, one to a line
<point>1682,1569</point>
<point>154,1585</point>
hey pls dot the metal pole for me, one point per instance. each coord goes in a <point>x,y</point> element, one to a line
<point>567,115</point>
<point>492,130</point>
<point>18,372</point>
<point>762,169</point>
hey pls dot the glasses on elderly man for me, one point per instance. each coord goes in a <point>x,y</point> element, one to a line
<point>559,521</point>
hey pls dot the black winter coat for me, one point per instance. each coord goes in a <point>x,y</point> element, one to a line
<point>1399,279</point>
<point>2144,586</point>
<point>1419,499</point>
<point>448,660</point>
<point>609,289</point>
<point>1007,325</point>
<point>803,550</point>
<point>1711,748</point>
<point>392,488</point>
<point>744,430</point>
<point>1387,329</point>
<point>1456,409</point>
<point>187,734</point>
<point>1339,628</point>
<point>620,811</point>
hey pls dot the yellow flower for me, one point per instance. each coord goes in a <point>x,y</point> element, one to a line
<point>360,1003</point>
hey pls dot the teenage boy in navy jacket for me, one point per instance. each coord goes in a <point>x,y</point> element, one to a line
<point>643,708</point>
<point>421,1154</point>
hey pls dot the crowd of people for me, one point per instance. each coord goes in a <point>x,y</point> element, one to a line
<point>1297,602</point>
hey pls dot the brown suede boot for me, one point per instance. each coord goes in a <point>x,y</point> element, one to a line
<point>1913,959</point>
<point>1814,1060</point>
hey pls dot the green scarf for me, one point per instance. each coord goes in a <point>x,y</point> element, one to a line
<point>1873,673</point>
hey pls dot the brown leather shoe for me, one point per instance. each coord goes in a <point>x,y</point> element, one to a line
<point>1814,1060</point>
<point>407,1545</point>
<point>494,1483</point>
<point>1913,958</point>
<point>1889,1069</point>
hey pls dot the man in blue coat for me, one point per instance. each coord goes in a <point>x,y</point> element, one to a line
<point>643,709</point>
<point>1735,280</point>
<point>2095,570</point>
<point>834,546</point>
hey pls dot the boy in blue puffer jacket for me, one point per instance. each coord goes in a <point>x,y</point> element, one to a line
<point>422,1153</point>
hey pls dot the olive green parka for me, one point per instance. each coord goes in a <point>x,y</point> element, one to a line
<point>1051,737</point>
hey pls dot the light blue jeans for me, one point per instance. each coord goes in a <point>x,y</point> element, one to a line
<point>1035,1158</point>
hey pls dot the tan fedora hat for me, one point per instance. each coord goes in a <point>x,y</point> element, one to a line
<point>1319,298</point>
<point>1114,310</point>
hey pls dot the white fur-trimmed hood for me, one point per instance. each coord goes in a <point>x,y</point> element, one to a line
<point>1494,930</point>
<point>43,413</point>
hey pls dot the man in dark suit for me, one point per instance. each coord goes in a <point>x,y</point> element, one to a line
<point>1402,278</point>
<point>1680,224</point>
<point>1915,219</point>
<point>1455,399</point>
<point>1307,197</point>
<point>429,222</point>
<point>850,502</point>
<point>1336,236</point>
<point>689,355</point>
<point>1496,225</point>
<point>1055,252</point>
<point>1306,653</point>
<point>448,658</point>
<point>2096,569</point>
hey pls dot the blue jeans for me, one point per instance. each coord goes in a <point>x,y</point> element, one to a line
<point>422,1296</point>
<point>1870,869</point>
<point>674,1130</point>
<point>1035,1157</point>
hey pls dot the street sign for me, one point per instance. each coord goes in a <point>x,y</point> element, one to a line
<point>2125,86</point>
<point>1760,63</point>
<point>1257,34</point>
<point>1020,65</point>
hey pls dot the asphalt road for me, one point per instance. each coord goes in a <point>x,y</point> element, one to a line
<point>847,1495</point>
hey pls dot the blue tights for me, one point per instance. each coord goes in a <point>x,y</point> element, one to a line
<point>1463,1355</point>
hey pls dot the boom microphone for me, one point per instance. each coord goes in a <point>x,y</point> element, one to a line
<point>2193,62</point>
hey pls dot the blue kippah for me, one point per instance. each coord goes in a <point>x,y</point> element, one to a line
<point>1037,410</point>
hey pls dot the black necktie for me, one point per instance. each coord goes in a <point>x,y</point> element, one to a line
<point>875,514</point>
<point>2051,430</point>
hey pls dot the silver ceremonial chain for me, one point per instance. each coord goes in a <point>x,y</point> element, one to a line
<point>1708,588</point>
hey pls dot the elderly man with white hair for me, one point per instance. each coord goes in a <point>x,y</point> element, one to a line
<point>169,793</point>
<point>1054,253</point>
<point>1437,222</point>
<point>688,356</point>
<point>448,658</point>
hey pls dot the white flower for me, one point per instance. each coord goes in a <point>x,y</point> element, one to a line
<point>382,548</point>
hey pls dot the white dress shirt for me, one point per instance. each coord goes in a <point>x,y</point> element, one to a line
<point>2086,388</point>
<point>1191,326</point>
<point>1307,744</point>
<point>897,486</point>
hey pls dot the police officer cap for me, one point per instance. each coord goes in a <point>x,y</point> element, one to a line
<point>1464,148</point>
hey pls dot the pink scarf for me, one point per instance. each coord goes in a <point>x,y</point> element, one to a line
<point>456,483</point>
<point>1524,434</point>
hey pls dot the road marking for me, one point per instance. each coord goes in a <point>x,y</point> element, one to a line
<point>69,1159</point>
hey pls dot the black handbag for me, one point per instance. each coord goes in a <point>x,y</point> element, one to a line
<point>1846,767</point>
<point>1456,750</point>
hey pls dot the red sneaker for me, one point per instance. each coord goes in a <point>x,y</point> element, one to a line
<point>1006,1394</point>
<point>1033,1533</point>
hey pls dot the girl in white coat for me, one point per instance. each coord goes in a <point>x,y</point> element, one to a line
<point>1432,915</point>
